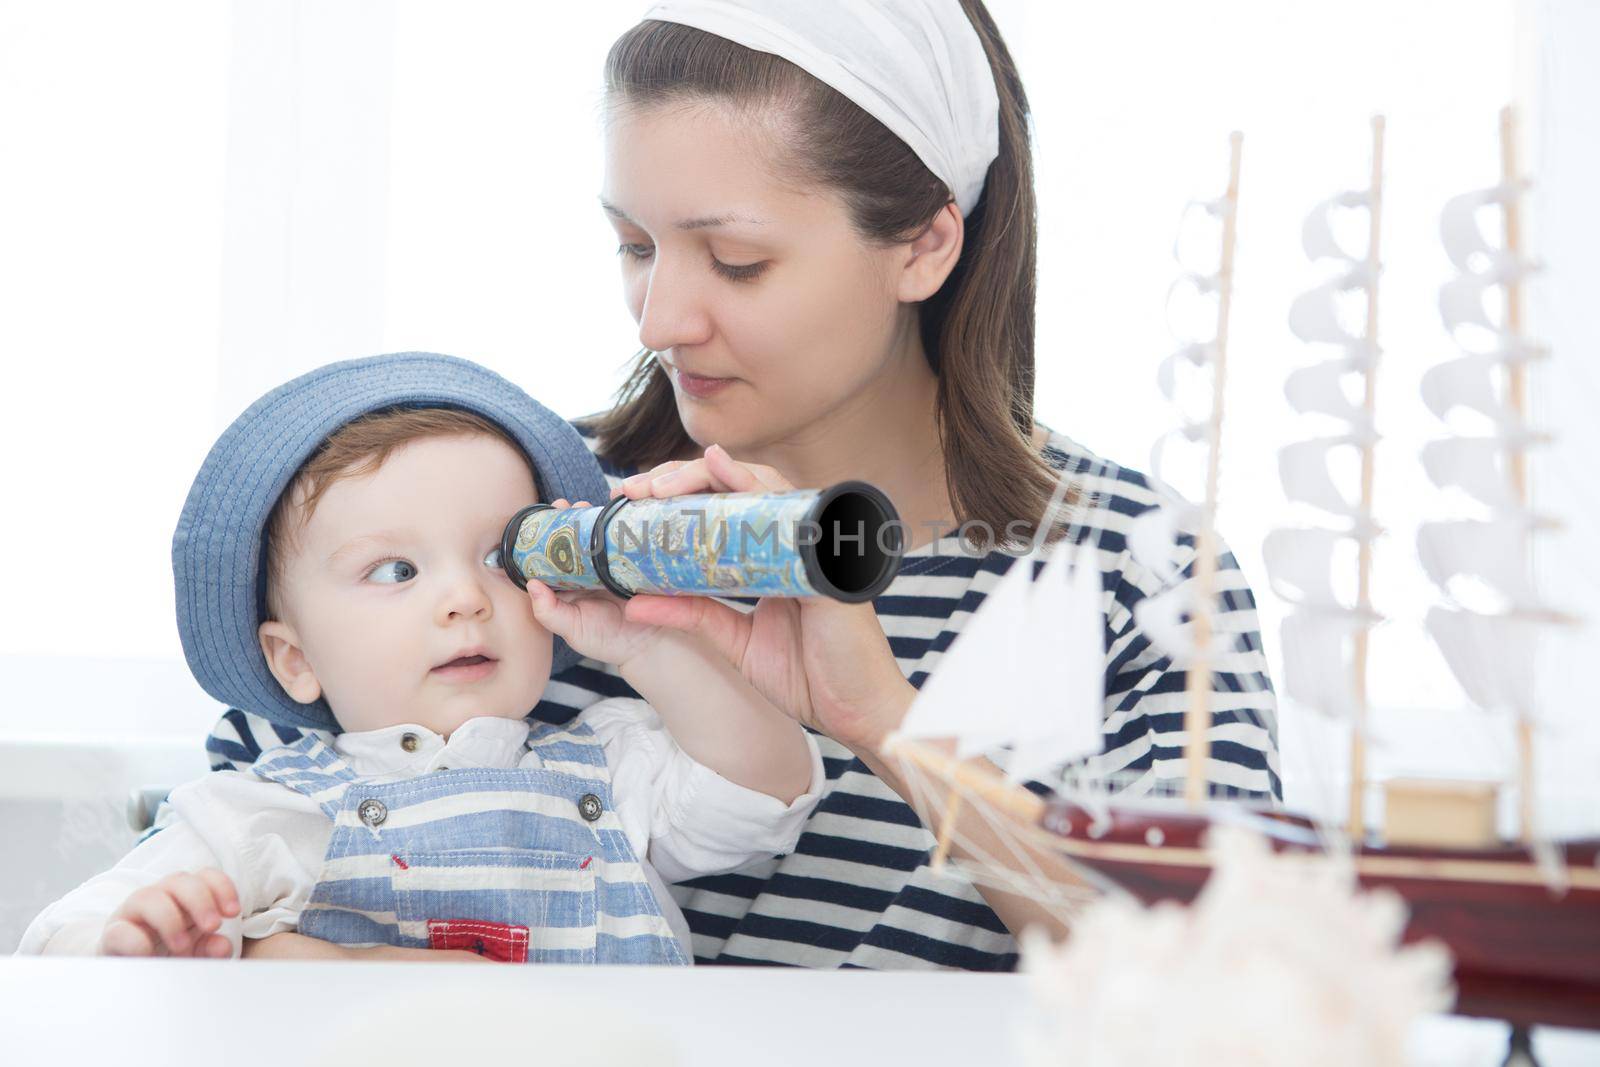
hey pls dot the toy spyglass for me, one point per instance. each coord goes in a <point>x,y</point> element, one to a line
<point>842,542</point>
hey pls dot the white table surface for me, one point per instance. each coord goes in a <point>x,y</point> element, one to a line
<point>176,1012</point>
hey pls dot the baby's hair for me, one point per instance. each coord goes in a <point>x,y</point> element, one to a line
<point>356,449</point>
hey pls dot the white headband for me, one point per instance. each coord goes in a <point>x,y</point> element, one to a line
<point>917,66</point>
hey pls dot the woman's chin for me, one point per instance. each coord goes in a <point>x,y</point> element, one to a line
<point>707,428</point>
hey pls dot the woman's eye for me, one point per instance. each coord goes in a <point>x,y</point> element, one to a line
<point>746,273</point>
<point>493,558</point>
<point>635,251</point>
<point>393,571</point>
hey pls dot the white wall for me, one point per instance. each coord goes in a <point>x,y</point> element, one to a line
<point>216,197</point>
<point>1562,84</point>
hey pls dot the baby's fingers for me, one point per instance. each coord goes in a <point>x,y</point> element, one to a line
<point>223,893</point>
<point>127,937</point>
<point>551,611</point>
<point>202,915</point>
<point>214,946</point>
<point>155,908</point>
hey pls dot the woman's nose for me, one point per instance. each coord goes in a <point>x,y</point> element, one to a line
<point>466,598</point>
<point>674,311</point>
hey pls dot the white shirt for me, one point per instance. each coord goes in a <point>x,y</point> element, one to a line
<point>682,819</point>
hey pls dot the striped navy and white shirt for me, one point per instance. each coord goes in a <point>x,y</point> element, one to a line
<point>857,891</point>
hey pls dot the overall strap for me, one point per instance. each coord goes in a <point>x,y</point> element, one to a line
<point>310,768</point>
<point>571,749</point>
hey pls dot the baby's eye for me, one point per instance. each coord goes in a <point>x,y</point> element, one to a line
<point>493,558</point>
<point>393,571</point>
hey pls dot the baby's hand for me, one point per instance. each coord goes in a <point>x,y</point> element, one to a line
<point>591,622</point>
<point>177,916</point>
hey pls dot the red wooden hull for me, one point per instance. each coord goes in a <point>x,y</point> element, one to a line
<point>1522,953</point>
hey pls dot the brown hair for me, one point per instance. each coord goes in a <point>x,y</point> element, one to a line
<point>358,448</point>
<point>977,331</point>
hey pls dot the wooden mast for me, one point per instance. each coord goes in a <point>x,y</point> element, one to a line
<point>1517,400</point>
<point>1356,826</point>
<point>1197,715</point>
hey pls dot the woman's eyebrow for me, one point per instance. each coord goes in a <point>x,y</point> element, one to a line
<point>704,223</point>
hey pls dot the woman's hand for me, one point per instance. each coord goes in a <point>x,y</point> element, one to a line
<point>591,622</point>
<point>293,946</point>
<point>824,663</point>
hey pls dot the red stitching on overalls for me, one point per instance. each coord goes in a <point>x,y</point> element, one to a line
<point>585,863</point>
<point>399,862</point>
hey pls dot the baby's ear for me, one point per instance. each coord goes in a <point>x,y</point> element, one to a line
<point>288,664</point>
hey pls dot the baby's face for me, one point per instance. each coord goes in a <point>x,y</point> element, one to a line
<point>398,574</point>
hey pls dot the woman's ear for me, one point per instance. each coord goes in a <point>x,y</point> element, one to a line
<point>932,256</point>
<point>287,661</point>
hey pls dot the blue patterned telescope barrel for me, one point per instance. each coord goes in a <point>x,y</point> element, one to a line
<point>842,542</point>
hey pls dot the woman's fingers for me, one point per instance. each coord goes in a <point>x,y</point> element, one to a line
<point>717,472</point>
<point>637,486</point>
<point>766,478</point>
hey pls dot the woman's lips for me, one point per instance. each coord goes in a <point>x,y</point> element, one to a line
<point>701,387</point>
<point>468,669</point>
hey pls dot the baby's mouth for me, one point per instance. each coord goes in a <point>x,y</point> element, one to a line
<point>471,665</point>
<point>465,661</point>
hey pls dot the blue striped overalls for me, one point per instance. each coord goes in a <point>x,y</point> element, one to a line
<point>524,865</point>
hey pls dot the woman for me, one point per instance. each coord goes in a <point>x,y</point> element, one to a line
<point>826,218</point>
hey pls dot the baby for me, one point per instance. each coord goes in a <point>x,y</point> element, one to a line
<point>338,571</point>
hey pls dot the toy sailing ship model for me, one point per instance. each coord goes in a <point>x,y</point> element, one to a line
<point>1520,919</point>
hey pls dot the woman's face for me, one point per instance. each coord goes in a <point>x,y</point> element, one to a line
<point>733,274</point>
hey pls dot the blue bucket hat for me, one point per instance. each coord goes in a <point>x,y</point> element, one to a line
<point>218,551</point>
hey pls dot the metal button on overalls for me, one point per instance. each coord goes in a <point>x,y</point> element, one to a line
<point>372,812</point>
<point>589,807</point>
<point>408,742</point>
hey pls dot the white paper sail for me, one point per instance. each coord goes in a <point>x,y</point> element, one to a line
<point>1490,655</point>
<point>1167,619</point>
<point>1316,233</point>
<point>1464,241</point>
<point>1318,389</point>
<point>1314,315</point>
<point>1069,632</point>
<point>1303,469</point>
<point>1026,673</point>
<point>1318,669</point>
<point>1189,433</point>
<point>1300,565</point>
<point>1495,552</point>
<point>1476,466</point>
<point>1153,534</point>
<point>1491,652</point>
<point>1195,354</point>
<point>981,677</point>
<point>1462,302</point>
<point>1468,383</point>
<point>1216,209</point>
